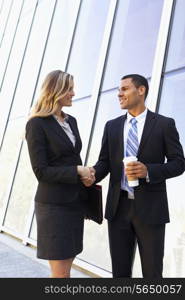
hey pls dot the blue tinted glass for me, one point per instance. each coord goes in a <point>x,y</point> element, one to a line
<point>134,40</point>
<point>172,100</point>
<point>176,54</point>
<point>87,43</point>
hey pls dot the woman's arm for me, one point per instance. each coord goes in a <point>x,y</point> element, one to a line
<point>37,147</point>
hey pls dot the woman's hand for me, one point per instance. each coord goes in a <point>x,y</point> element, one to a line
<point>87,175</point>
<point>83,171</point>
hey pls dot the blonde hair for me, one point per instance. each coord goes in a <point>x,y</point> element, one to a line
<point>55,87</point>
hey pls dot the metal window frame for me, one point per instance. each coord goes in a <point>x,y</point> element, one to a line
<point>11,47</point>
<point>160,54</point>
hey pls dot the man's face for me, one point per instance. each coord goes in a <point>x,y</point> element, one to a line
<point>129,95</point>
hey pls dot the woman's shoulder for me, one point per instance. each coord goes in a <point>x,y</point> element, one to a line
<point>35,122</point>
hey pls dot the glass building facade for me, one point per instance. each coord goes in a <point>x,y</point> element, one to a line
<point>98,42</point>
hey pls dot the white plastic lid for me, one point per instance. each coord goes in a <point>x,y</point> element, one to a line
<point>133,183</point>
<point>128,159</point>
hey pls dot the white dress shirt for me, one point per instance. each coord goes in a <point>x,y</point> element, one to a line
<point>140,125</point>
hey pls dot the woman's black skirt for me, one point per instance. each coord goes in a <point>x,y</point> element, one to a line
<point>59,230</point>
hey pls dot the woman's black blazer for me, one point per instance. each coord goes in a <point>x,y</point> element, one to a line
<point>54,159</point>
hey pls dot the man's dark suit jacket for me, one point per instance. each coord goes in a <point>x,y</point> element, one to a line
<point>159,140</point>
<point>54,160</point>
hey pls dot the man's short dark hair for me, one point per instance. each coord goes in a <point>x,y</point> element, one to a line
<point>138,80</point>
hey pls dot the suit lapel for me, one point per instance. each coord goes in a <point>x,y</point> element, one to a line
<point>148,126</point>
<point>75,131</point>
<point>59,131</point>
<point>118,138</point>
<point>122,135</point>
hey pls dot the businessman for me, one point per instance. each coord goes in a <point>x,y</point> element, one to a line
<point>138,215</point>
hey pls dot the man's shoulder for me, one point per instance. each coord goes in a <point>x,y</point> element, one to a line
<point>160,117</point>
<point>116,120</point>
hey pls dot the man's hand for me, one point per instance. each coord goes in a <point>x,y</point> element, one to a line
<point>88,181</point>
<point>136,169</point>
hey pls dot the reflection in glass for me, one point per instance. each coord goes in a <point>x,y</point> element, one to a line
<point>176,53</point>
<point>172,102</point>
<point>32,59</point>
<point>6,8</point>
<point>134,40</point>
<point>172,105</point>
<point>9,155</point>
<point>28,6</point>
<point>87,43</point>
<point>60,36</point>
<point>21,194</point>
<point>13,69</point>
<point>6,45</point>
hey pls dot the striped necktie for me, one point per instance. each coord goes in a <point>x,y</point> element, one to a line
<point>132,146</point>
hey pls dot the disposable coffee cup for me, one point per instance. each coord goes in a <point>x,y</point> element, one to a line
<point>132,181</point>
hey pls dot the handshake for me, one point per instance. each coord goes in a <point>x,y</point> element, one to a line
<point>87,175</point>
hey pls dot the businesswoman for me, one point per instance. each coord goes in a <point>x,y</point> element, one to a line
<point>54,146</point>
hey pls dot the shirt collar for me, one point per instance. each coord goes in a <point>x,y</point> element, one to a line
<point>66,117</point>
<point>141,117</point>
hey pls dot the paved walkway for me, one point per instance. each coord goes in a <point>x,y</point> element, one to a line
<point>17,260</point>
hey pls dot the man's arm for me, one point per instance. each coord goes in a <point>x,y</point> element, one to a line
<point>102,166</point>
<point>175,164</point>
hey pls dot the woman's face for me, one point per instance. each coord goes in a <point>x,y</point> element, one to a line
<point>67,100</point>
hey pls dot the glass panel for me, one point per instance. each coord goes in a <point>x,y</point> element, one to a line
<point>61,33</point>
<point>9,155</point>
<point>87,43</point>
<point>9,34</point>
<point>32,60</point>
<point>172,105</point>
<point>1,5</point>
<point>173,92</point>
<point>134,40</point>
<point>28,6</point>
<point>6,7</point>
<point>13,69</point>
<point>21,195</point>
<point>176,54</point>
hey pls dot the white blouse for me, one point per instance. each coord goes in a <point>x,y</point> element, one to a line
<point>66,127</point>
